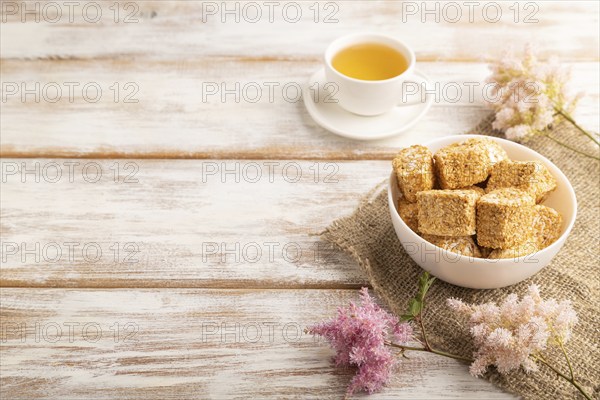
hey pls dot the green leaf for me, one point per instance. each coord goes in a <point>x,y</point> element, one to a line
<point>417,304</point>
<point>406,318</point>
<point>425,282</point>
<point>415,307</point>
<point>428,285</point>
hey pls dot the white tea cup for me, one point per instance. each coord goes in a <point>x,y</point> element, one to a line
<point>368,97</point>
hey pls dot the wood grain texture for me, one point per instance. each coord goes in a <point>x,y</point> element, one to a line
<point>174,292</point>
<point>178,223</point>
<point>184,30</point>
<point>171,119</point>
<point>192,344</point>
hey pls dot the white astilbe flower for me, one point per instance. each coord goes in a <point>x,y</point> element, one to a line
<point>509,334</point>
<point>527,92</point>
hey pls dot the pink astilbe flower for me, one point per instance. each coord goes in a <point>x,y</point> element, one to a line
<point>358,335</point>
<point>527,92</point>
<point>508,335</point>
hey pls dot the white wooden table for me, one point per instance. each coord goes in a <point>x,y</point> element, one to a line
<point>158,244</point>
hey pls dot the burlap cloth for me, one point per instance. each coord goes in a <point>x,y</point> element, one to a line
<point>368,235</point>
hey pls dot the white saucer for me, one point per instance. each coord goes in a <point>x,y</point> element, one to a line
<point>344,123</point>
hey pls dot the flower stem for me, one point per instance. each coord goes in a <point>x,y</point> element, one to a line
<point>571,380</point>
<point>426,342</point>
<point>562,347</point>
<point>430,350</point>
<point>572,121</point>
<point>571,148</point>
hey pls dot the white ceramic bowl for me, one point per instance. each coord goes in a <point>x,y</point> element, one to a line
<point>480,273</point>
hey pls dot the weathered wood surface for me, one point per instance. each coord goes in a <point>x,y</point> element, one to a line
<point>178,223</point>
<point>171,119</point>
<point>190,30</point>
<point>163,60</point>
<point>186,343</point>
<point>166,211</point>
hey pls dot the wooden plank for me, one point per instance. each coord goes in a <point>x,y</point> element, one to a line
<point>171,119</point>
<point>189,343</point>
<point>178,223</point>
<point>185,30</point>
